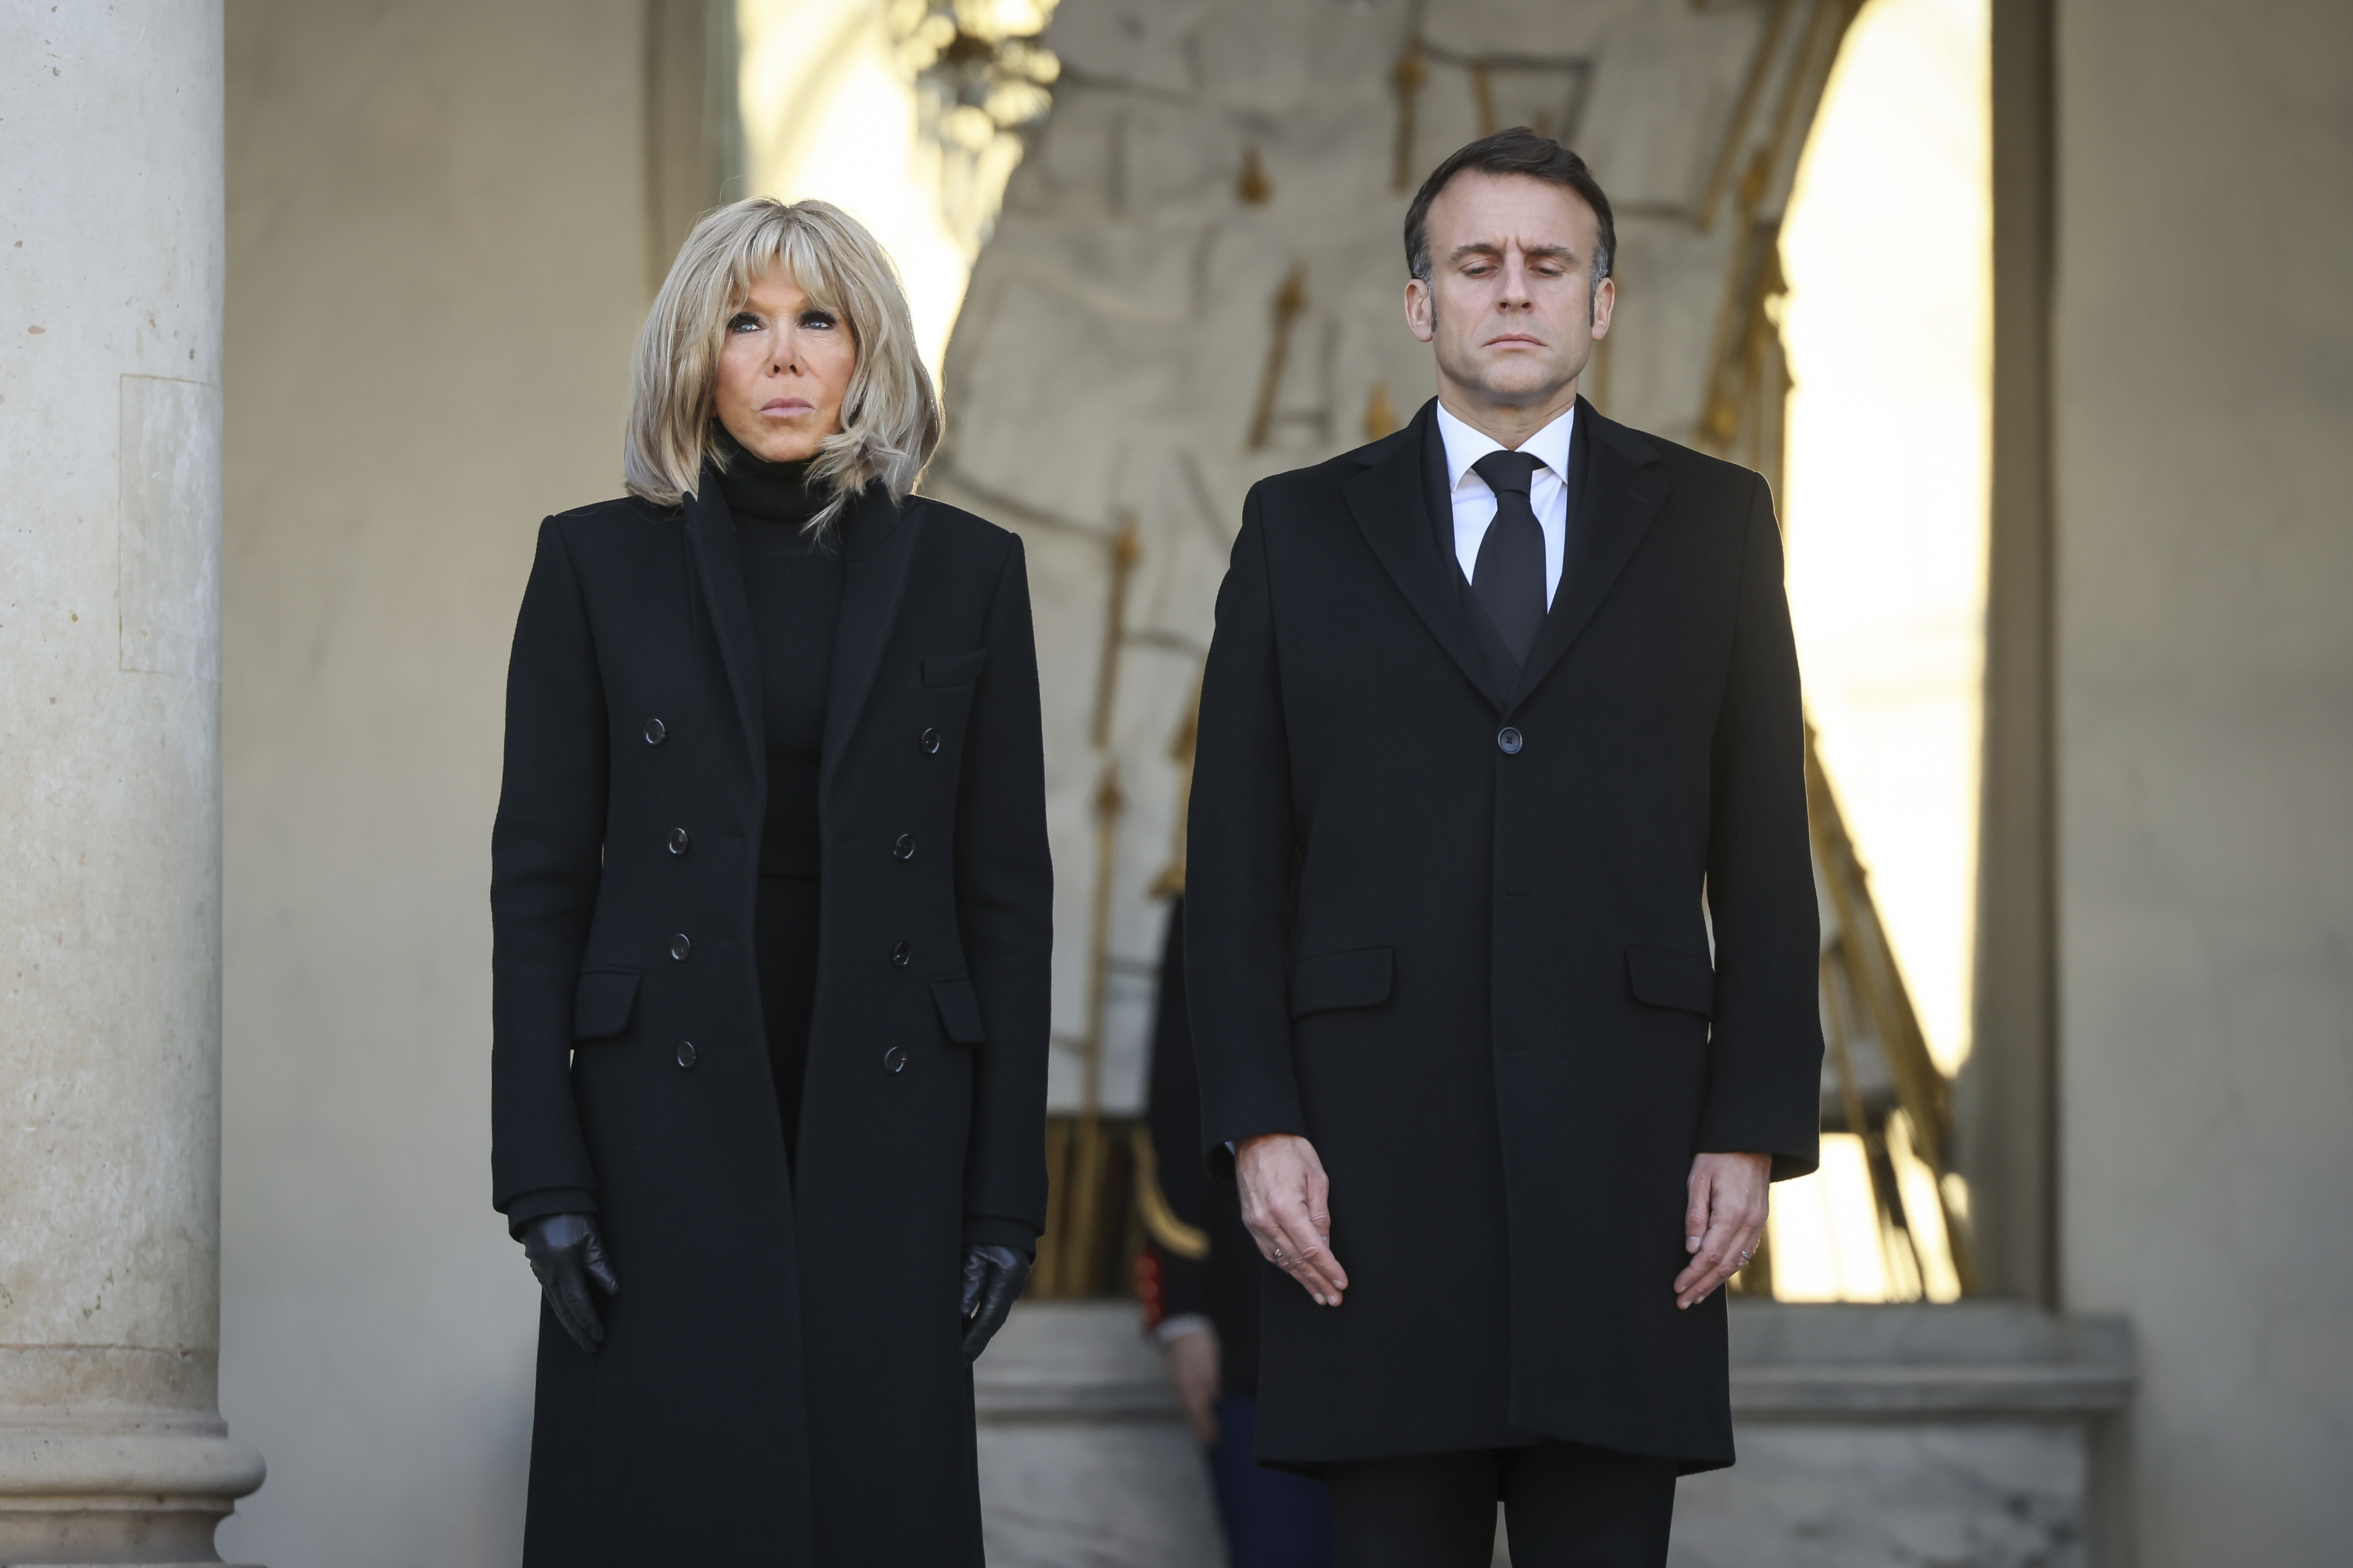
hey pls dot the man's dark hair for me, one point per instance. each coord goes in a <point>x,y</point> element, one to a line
<point>1518,150</point>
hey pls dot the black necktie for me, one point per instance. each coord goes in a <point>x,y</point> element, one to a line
<point>1510,578</point>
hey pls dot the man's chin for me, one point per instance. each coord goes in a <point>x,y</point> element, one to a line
<point>1522,391</point>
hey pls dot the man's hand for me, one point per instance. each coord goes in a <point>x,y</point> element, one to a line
<point>565,1254</point>
<point>1193,1374</point>
<point>1287,1204</point>
<point>1722,1221</point>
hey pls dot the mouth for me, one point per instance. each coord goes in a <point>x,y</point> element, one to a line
<point>1514,341</point>
<point>786,408</point>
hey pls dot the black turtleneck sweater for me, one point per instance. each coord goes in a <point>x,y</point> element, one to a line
<point>795,591</point>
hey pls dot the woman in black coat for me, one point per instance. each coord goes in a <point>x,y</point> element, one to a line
<point>771,897</point>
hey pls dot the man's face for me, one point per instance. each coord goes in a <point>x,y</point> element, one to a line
<point>1510,306</point>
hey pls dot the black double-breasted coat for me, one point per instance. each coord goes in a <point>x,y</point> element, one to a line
<point>1445,919</point>
<point>781,1381</point>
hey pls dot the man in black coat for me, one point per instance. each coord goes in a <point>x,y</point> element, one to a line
<point>1500,918</point>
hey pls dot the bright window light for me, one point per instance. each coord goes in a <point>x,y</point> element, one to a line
<point>1887,325</point>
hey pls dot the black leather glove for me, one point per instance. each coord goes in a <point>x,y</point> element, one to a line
<point>993,1278</point>
<point>565,1253</point>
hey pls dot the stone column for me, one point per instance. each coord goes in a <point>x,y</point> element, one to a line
<point>112,1447</point>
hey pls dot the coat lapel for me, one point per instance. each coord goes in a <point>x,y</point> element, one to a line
<point>878,545</point>
<point>1386,498</point>
<point>711,527</point>
<point>1619,495</point>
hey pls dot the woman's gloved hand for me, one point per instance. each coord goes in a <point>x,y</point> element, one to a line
<point>993,1278</point>
<point>565,1254</point>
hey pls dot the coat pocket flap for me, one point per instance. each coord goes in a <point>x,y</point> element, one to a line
<point>1668,977</point>
<point>959,1008</point>
<point>1357,978</point>
<point>954,669</point>
<point>602,1002</point>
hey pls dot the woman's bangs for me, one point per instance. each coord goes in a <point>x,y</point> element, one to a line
<point>787,247</point>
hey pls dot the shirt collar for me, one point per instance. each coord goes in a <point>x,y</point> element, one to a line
<point>1465,445</point>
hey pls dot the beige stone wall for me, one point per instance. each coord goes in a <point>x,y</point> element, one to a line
<point>436,270</point>
<point>2204,410</point>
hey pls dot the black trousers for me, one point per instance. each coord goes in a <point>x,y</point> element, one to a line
<point>1565,1506</point>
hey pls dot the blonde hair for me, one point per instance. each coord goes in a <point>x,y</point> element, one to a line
<point>891,414</point>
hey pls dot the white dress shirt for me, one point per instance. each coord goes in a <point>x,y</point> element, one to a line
<point>1474,501</point>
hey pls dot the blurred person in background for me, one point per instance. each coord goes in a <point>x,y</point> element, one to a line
<point>772,907</point>
<point>1200,1278</point>
<point>1501,710</point>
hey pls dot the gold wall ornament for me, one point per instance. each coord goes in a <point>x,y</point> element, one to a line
<point>1546,94</point>
<point>1087,1182</point>
<point>1081,1257</point>
<point>1380,414</point>
<point>1406,79</point>
<point>1483,98</point>
<point>1170,883</point>
<point>1747,339</point>
<point>1096,1260</point>
<point>1160,1221</point>
<point>1290,304</point>
<point>1254,189</point>
<point>1736,129</point>
<point>1745,364</point>
<point>1127,549</point>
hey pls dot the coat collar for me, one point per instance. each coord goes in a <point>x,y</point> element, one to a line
<point>878,542</point>
<point>711,530</point>
<point>1388,496</point>
<point>878,545</point>
<point>1621,494</point>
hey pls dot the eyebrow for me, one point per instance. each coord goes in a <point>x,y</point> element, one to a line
<point>1489,248</point>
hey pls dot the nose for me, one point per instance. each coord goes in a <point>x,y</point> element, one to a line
<point>1516,293</point>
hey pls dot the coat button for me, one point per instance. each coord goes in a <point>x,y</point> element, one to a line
<point>680,946</point>
<point>1509,738</point>
<point>930,742</point>
<point>902,955</point>
<point>894,1060</point>
<point>905,847</point>
<point>686,1053</point>
<point>678,841</point>
<point>656,731</point>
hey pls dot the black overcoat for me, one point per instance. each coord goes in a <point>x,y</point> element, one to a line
<point>1447,923</point>
<point>781,1380</point>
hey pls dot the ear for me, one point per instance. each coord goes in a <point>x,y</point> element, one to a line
<point>1419,309</point>
<point>1605,302</point>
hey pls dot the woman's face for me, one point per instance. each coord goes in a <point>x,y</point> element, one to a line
<point>782,370</point>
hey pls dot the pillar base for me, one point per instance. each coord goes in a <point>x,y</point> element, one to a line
<point>150,1493</point>
<point>114,1455</point>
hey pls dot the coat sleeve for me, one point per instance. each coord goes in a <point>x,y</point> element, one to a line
<point>1239,863</point>
<point>1765,1049</point>
<point>546,859</point>
<point>1005,910</point>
